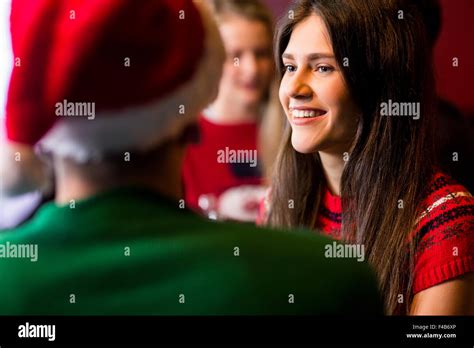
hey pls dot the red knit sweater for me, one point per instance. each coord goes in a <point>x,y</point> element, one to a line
<point>203,174</point>
<point>443,235</point>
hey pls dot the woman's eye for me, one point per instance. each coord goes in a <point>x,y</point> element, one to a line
<point>324,69</point>
<point>290,68</point>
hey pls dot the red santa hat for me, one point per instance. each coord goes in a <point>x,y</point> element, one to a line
<point>93,78</point>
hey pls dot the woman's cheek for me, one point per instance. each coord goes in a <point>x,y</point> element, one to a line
<point>284,101</point>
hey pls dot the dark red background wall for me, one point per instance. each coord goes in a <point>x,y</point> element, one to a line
<point>456,40</point>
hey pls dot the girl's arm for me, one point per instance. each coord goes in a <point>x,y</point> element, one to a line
<point>453,297</point>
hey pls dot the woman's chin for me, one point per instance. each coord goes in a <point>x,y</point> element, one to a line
<point>303,145</point>
<point>251,96</point>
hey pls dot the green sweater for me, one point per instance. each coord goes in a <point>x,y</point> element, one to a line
<point>131,251</point>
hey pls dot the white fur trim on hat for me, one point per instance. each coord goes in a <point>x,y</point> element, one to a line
<point>146,126</point>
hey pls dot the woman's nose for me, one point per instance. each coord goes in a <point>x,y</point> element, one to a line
<point>298,87</point>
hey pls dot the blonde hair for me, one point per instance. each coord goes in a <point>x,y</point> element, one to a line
<point>249,9</point>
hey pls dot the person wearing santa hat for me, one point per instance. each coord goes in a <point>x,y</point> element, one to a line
<point>109,91</point>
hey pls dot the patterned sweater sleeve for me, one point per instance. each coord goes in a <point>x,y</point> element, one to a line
<point>444,234</point>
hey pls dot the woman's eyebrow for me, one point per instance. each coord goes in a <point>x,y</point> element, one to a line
<point>311,56</point>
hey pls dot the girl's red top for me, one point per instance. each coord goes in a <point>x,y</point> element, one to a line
<point>443,234</point>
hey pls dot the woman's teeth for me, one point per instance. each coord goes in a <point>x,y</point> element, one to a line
<point>306,113</point>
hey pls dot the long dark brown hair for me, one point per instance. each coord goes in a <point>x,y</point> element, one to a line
<point>390,160</point>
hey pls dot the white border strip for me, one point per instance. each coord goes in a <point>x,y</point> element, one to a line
<point>443,200</point>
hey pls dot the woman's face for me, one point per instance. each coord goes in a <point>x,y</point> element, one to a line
<point>249,68</point>
<point>313,93</point>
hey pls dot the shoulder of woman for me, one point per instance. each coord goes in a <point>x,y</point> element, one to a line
<point>444,242</point>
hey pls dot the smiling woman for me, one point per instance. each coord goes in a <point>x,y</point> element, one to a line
<point>245,117</point>
<point>313,83</point>
<point>349,170</point>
